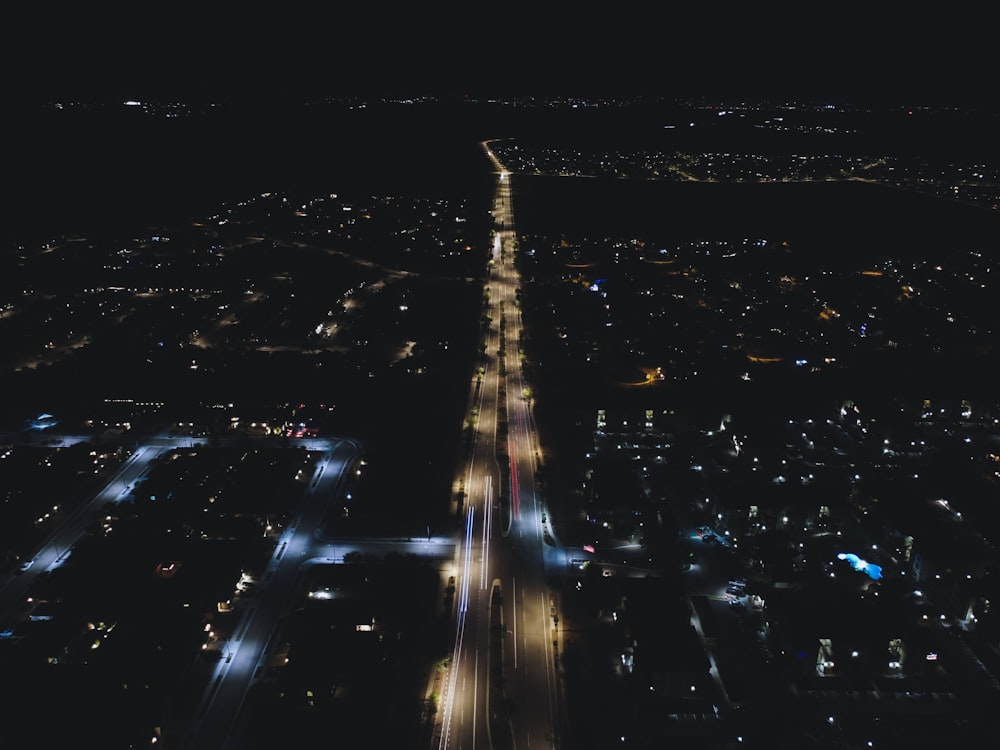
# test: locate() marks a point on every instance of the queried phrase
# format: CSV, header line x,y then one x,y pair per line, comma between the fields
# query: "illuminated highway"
x,y
502,689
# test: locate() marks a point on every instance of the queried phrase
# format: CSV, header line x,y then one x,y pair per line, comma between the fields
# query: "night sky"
x,y
871,52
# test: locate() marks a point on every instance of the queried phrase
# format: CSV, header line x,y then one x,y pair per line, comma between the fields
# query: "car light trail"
x,y
515,506
533,679
487,523
467,563
456,657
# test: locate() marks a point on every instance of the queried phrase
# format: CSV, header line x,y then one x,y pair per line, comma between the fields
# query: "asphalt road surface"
x,y
502,689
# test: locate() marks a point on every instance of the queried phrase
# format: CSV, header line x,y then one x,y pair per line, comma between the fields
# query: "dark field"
x,y
115,168
850,218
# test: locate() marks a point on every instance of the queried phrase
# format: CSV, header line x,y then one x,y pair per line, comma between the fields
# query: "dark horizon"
x,y
724,52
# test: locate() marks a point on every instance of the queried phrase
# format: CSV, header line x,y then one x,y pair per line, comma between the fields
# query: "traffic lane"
x,y
467,693
529,660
